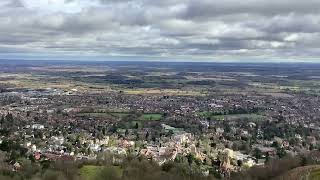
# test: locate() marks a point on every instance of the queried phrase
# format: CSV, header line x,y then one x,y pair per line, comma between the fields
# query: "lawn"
x,y
91,172
95,115
120,114
208,114
150,117
251,116
242,116
143,117
104,114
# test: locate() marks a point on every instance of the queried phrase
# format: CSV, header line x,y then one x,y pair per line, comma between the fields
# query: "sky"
x,y
191,30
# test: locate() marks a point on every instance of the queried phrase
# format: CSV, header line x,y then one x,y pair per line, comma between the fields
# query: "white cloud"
x,y
173,28
292,37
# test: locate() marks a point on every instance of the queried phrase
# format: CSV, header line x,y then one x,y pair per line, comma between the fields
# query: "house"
x,y
249,162
33,148
182,138
267,150
57,140
16,166
219,131
205,124
37,156
126,144
37,126
95,147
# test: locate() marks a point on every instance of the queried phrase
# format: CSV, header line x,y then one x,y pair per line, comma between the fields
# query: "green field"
x,y
212,116
120,114
91,172
143,117
104,114
150,117
95,115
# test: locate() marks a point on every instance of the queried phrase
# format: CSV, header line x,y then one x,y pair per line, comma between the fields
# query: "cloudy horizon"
x,y
192,30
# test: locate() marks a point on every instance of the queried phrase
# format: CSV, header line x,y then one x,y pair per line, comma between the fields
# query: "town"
x,y
222,132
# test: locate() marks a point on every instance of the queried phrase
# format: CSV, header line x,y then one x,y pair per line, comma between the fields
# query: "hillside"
x,y
302,173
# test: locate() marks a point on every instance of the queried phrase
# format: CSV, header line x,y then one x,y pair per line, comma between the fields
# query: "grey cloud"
x,y
188,28
15,3
209,8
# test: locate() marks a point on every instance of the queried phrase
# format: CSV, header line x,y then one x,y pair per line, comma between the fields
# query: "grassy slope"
x,y
302,173
91,172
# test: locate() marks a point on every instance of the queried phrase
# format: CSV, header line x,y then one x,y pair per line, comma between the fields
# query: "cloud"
x,y
192,29
51,6
207,8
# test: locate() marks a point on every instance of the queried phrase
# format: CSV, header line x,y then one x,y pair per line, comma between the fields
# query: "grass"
x,y
151,117
91,172
208,114
219,117
120,114
143,117
105,114
242,116
95,115
251,116
311,172
314,174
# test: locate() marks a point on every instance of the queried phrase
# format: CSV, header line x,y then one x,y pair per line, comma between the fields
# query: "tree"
x,y
9,117
2,120
257,153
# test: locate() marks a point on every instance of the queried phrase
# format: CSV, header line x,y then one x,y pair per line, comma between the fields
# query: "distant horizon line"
x,y
170,60
266,61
